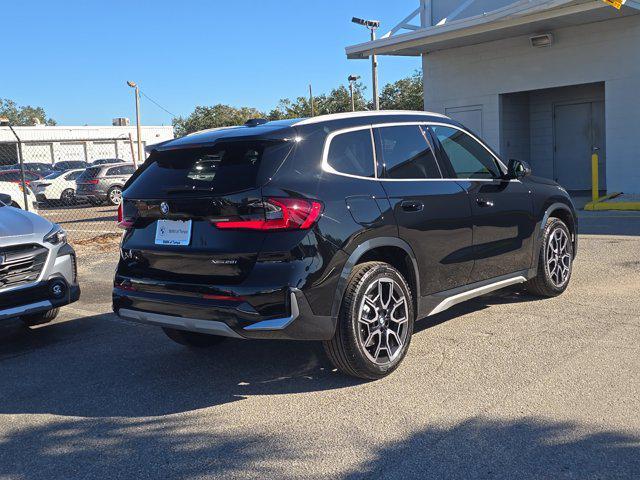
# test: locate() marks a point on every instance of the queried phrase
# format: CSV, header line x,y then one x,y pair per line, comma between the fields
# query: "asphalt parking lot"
x,y
505,386
83,220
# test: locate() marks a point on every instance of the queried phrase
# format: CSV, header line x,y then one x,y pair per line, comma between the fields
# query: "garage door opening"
x,y
556,130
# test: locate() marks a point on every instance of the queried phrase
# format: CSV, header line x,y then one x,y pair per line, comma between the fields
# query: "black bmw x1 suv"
x,y
343,228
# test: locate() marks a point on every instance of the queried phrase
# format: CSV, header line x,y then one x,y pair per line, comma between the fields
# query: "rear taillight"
x,y
91,182
123,222
280,214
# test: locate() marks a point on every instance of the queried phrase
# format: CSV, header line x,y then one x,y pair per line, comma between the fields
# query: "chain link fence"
x,y
75,183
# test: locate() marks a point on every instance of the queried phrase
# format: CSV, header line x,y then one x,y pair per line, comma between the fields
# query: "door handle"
x,y
412,206
484,203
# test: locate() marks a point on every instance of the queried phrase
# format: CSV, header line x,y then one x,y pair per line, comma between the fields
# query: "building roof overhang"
x,y
522,17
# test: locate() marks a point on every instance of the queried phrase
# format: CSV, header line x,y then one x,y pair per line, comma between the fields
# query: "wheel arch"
x,y
564,213
392,250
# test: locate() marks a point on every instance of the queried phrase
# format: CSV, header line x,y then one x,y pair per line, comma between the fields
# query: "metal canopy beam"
x,y
423,12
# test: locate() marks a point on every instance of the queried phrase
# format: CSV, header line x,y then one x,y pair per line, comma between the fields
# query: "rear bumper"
x,y
91,196
96,192
224,318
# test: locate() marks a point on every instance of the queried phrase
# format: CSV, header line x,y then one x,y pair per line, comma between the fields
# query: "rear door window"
x,y
351,153
406,153
224,168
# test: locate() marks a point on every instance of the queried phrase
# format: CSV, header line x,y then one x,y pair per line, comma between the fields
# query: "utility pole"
x,y
352,81
313,109
372,25
134,85
25,195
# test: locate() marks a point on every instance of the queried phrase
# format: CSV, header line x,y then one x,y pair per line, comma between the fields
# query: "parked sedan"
x,y
41,168
15,176
67,165
57,186
104,183
38,271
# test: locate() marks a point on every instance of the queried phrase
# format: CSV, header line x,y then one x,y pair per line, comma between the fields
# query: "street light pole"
x,y
372,25
352,81
139,131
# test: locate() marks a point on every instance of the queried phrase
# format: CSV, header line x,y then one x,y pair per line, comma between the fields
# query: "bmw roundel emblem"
x,y
164,208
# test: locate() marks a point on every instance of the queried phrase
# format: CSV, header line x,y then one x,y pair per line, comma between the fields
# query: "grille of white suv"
x,y
21,265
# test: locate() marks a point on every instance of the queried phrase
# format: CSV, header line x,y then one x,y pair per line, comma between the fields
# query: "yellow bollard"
x,y
595,191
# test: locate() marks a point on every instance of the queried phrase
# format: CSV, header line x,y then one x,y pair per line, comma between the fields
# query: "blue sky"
x,y
73,57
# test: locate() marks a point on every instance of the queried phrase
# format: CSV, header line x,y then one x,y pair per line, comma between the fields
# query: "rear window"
x,y
224,168
54,175
91,172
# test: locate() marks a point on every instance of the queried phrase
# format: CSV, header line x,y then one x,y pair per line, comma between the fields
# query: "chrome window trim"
x,y
327,144
326,167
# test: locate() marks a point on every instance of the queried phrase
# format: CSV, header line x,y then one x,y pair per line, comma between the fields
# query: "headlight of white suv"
x,y
56,236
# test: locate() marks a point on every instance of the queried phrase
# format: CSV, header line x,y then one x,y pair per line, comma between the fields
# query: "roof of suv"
x,y
280,128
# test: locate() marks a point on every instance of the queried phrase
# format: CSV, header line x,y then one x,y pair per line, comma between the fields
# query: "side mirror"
x,y
5,199
518,168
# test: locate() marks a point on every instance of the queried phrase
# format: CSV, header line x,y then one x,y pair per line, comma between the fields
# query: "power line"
x,y
157,104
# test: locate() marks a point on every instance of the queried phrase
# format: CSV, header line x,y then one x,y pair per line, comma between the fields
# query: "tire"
x,y
114,196
555,261
356,349
192,339
68,196
40,318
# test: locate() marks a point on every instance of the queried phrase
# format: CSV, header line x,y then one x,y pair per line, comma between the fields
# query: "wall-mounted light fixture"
x,y
542,40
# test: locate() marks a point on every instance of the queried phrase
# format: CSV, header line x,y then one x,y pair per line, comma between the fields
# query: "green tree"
x,y
23,115
216,116
405,94
336,101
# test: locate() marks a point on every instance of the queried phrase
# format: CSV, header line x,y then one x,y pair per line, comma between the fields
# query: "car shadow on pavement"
x,y
524,448
103,367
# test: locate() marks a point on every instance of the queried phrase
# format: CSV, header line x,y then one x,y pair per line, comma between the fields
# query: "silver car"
x,y
38,271
104,183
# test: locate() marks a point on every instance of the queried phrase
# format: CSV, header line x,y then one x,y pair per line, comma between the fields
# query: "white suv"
x,y
38,270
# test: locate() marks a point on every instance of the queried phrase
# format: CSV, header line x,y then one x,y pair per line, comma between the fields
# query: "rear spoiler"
x,y
149,149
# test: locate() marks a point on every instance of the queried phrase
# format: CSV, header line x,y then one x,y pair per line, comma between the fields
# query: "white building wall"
x,y
607,52
53,144
515,141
